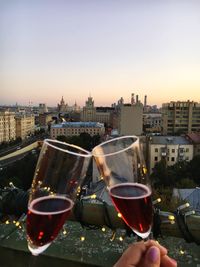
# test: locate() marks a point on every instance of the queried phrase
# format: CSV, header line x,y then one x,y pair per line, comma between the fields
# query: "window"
x,y
172,159
156,149
187,150
156,158
173,150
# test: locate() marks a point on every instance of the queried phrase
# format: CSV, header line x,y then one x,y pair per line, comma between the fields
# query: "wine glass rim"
x,y
87,155
135,143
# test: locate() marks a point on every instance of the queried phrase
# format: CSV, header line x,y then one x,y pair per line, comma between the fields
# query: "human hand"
x,y
146,254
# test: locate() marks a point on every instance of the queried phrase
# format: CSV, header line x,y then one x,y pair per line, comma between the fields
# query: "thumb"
x,y
152,257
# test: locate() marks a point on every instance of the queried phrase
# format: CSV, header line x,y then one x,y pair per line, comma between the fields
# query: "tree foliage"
x,y
182,174
20,173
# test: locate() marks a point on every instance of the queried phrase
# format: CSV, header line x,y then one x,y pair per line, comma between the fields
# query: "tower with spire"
x,y
62,107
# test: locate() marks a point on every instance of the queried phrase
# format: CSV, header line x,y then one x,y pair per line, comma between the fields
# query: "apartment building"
x,y
171,148
152,122
76,128
180,117
130,119
7,126
44,119
25,125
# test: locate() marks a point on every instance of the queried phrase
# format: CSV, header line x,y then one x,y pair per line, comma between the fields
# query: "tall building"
x,y
145,100
25,125
62,107
131,119
91,113
7,126
180,117
65,108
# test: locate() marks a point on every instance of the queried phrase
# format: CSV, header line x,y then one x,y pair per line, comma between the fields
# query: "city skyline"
x,y
106,49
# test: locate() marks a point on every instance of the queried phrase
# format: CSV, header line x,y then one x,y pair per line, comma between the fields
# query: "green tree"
x,y
194,169
161,175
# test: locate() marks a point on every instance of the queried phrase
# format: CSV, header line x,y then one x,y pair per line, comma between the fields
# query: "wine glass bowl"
x,y
121,163
59,174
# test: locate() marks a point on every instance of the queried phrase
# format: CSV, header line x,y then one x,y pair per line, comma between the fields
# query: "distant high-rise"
x,y
145,100
180,117
132,99
62,107
91,113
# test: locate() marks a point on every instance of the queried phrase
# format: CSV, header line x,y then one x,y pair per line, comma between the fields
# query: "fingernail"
x,y
153,254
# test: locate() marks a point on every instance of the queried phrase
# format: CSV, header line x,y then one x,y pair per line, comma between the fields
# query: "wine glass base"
x,y
144,236
37,250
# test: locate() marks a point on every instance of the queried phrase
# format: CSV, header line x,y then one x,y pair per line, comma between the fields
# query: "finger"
x,y
151,243
166,261
132,256
152,257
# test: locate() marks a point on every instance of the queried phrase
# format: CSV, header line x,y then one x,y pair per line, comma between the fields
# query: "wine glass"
x,y
121,163
58,177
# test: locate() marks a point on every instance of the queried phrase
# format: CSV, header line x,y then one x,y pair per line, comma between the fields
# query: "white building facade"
x,y
171,148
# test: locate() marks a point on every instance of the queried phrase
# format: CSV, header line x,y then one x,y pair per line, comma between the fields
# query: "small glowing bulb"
x,y
119,215
159,200
93,196
14,222
171,217
182,252
120,238
144,170
103,229
82,238
17,223
64,232
7,222
20,227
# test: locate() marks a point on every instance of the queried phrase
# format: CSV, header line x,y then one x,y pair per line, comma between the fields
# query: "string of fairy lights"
x,y
167,218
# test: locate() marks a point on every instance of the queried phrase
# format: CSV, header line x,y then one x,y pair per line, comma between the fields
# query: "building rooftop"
x,y
190,195
170,140
78,124
194,137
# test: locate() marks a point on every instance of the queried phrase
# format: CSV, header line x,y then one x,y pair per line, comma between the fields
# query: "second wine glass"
x,y
57,181
121,163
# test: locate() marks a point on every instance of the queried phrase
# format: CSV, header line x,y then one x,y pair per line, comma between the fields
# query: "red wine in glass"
x,y
133,201
45,217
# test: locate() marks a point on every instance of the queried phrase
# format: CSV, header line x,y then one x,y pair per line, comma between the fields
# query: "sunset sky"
x,y
106,48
